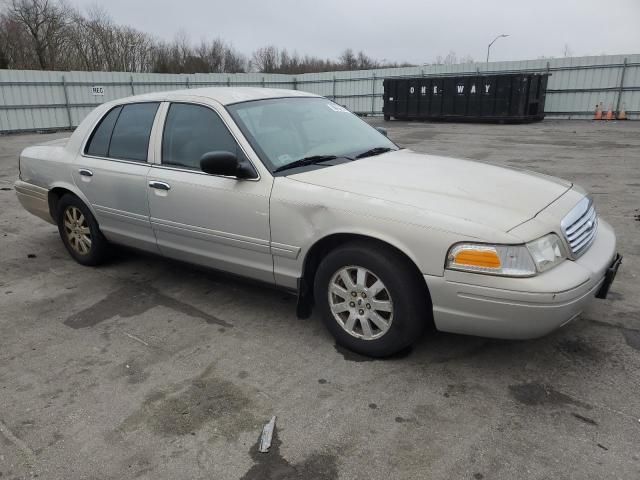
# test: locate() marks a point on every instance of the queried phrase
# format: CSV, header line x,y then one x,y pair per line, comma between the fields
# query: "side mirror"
x,y
224,163
382,131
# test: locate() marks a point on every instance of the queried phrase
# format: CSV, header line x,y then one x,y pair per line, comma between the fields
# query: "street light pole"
x,y
494,41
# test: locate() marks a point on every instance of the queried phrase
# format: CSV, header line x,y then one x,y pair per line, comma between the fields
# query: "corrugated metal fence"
x,y
37,100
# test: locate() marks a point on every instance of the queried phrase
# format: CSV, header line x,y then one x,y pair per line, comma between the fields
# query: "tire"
x,y
79,232
402,292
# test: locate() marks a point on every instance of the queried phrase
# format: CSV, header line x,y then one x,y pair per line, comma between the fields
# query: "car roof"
x,y
223,95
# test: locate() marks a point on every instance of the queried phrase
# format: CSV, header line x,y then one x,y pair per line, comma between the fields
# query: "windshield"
x,y
287,130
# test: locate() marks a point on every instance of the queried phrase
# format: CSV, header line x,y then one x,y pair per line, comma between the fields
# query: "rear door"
x,y
111,171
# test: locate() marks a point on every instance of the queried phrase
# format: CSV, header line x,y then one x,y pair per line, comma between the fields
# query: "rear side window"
x,y
99,143
130,137
191,131
124,133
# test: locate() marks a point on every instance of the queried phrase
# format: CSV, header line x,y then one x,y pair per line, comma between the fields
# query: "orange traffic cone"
x,y
598,114
622,115
609,113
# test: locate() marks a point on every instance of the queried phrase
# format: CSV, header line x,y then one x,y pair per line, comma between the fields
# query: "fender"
x,y
314,254
71,187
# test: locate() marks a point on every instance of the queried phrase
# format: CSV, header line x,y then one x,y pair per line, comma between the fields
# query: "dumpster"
x,y
514,98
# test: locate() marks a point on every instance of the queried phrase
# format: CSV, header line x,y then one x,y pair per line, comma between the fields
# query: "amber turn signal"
x,y
474,257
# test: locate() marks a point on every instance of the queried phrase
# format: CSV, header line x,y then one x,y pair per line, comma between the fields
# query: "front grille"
x,y
580,226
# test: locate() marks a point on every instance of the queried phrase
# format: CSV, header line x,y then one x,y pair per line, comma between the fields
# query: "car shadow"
x,y
434,348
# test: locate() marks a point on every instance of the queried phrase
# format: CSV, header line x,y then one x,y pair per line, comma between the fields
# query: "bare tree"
x,y
266,59
285,61
46,23
16,44
451,58
365,62
212,55
4,62
566,51
99,34
348,60
234,62
49,34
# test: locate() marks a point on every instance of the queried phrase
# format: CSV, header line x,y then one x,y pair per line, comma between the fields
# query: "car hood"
x,y
497,197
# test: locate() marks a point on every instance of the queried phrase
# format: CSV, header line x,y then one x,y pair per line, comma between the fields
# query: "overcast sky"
x,y
396,30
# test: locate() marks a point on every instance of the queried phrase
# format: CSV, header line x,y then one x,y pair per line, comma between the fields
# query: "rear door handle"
x,y
85,173
159,185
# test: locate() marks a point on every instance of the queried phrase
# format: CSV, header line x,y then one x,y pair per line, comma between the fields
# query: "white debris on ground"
x,y
267,435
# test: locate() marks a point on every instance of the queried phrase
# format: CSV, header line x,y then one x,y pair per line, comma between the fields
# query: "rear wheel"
x,y
80,232
370,299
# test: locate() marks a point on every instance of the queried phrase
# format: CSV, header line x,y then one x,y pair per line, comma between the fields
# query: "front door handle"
x,y
85,173
159,185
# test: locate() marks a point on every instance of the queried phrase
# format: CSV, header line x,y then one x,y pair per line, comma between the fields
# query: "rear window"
x,y
99,143
124,133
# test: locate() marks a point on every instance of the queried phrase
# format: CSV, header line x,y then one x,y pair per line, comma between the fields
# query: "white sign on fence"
x,y
98,91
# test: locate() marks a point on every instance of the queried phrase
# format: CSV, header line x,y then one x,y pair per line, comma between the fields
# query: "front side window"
x,y
191,131
284,130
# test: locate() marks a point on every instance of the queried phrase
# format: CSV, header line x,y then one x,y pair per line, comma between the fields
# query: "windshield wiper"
x,y
374,151
312,160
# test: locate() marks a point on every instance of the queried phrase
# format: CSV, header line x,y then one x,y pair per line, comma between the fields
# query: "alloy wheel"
x,y
360,302
77,230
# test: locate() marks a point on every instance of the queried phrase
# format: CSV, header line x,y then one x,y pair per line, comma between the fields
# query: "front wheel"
x,y
80,232
371,299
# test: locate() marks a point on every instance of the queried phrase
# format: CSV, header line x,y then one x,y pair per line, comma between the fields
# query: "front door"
x,y
221,222
112,171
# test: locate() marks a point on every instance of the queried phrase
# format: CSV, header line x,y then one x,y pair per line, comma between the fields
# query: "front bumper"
x,y
520,308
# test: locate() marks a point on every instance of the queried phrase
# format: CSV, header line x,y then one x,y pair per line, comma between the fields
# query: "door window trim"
x,y
97,123
157,163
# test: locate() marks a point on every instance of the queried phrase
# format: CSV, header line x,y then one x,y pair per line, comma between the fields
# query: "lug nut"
x,y
368,306
364,295
353,294
361,312
352,304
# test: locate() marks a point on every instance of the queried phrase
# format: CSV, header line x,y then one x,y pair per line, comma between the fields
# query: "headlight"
x,y
547,251
507,260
